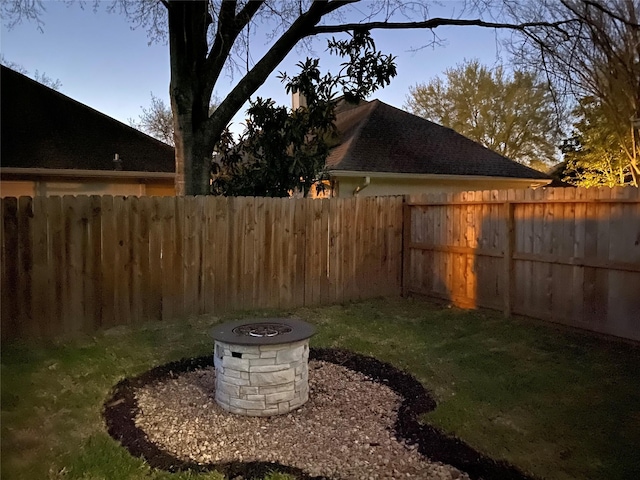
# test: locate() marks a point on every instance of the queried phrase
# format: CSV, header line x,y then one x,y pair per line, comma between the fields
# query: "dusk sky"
x,y
106,65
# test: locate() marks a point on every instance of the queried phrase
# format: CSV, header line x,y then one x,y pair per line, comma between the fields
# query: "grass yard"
x,y
558,404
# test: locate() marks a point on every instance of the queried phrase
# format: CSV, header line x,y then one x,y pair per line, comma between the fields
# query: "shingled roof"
x,y
376,137
44,129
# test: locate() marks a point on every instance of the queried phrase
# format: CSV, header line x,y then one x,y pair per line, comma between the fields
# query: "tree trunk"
x,y
188,23
192,81
193,159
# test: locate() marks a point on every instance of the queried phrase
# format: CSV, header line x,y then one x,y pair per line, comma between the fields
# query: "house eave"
x,y
432,176
25,173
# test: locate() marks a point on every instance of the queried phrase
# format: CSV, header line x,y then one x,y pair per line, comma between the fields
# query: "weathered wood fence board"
x,y
567,255
77,264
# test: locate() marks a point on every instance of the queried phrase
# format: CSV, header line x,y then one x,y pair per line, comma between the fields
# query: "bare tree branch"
x,y
434,23
229,27
605,10
259,73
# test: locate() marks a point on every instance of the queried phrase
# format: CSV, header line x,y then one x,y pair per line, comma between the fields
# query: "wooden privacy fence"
x,y
567,255
76,264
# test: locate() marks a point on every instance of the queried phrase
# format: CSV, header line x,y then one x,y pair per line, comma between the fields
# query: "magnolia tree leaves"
x,y
283,151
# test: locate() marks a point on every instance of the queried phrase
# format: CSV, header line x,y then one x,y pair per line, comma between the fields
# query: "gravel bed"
x,y
362,421
345,430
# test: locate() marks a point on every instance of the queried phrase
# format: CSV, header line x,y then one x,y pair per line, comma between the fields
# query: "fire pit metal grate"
x,y
262,329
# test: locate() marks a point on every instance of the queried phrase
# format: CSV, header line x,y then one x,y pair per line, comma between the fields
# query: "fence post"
x,y
507,273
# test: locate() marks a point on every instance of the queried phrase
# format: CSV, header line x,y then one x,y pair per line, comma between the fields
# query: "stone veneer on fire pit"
x,y
262,365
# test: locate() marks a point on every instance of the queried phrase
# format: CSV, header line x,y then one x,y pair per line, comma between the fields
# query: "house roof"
x,y
376,137
44,129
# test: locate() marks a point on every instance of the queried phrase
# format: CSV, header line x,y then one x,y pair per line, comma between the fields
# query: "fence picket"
x,y
25,258
154,284
190,259
335,250
42,275
137,250
249,269
167,218
145,222
208,257
564,279
325,249
269,279
221,251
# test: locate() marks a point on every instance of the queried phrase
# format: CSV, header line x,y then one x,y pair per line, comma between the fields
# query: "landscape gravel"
x,y
344,431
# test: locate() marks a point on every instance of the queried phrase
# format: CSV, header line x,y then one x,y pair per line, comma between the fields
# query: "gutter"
x,y
365,184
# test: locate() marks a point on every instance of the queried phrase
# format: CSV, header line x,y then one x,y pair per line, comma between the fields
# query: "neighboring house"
x,y
54,145
383,150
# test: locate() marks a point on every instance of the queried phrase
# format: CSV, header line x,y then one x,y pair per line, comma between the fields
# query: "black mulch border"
x,y
120,410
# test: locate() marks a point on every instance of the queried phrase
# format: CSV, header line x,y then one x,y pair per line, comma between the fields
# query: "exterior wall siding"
x,y
408,186
48,188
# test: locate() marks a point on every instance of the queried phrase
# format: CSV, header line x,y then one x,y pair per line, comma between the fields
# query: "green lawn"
x,y
557,404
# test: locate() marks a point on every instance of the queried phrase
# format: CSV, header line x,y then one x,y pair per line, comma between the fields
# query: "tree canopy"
x,y
156,120
509,114
593,153
593,65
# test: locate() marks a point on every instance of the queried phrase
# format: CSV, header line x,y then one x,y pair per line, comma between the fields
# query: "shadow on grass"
x,y
121,409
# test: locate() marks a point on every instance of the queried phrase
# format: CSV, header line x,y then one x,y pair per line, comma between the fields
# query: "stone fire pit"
x,y
262,365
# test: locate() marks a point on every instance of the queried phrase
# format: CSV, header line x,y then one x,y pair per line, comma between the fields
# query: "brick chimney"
x,y
298,100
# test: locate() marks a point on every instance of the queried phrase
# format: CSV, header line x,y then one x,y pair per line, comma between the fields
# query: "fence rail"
x,y
567,255
77,264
